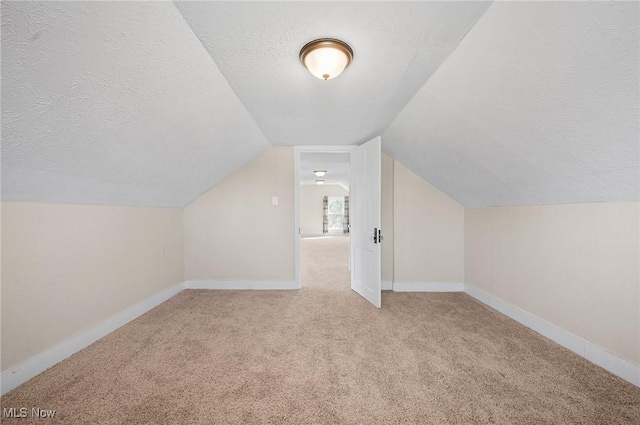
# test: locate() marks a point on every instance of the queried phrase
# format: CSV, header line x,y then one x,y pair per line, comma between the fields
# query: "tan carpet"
x,y
326,356
324,263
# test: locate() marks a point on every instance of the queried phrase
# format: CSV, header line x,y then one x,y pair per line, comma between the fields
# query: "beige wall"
x,y
311,206
428,231
386,217
576,266
67,268
573,265
232,232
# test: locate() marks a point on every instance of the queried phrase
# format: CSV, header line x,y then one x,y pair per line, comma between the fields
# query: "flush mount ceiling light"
x,y
319,181
326,58
320,173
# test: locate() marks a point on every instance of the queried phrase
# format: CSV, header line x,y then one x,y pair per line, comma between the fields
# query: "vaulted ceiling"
x,y
152,103
397,47
538,105
114,103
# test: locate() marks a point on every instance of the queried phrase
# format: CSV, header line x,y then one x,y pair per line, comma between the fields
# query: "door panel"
x,y
365,207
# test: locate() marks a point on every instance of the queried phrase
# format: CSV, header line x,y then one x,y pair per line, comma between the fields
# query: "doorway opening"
x,y
362,223
323,218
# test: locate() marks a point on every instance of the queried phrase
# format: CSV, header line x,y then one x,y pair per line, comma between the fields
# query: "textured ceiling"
x,y
538,105
397,46
336,165
152,103
114,103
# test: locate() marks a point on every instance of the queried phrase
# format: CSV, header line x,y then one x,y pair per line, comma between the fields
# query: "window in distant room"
x,y
335,213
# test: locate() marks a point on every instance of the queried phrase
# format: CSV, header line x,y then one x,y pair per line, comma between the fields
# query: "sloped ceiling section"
x,y
538,105
114,103
149,104
397,47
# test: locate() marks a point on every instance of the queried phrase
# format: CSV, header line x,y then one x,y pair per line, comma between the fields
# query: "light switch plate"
x,y
274,200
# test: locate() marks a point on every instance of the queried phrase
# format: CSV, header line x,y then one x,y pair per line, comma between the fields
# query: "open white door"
x,y
365,221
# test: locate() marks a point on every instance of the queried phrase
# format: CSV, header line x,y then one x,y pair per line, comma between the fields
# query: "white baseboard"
x,y
624,369
387,285
240,284
427,287
17,375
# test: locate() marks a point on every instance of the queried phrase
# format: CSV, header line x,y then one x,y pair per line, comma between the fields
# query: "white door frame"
x,y
297,150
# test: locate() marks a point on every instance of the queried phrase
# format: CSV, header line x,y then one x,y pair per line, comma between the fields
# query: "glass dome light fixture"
x,y
326,58
319,181
320,173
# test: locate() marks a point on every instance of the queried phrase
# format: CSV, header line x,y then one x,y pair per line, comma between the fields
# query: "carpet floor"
x,y
323,355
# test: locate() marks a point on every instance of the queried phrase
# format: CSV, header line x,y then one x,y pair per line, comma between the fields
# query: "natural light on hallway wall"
x,y
326,58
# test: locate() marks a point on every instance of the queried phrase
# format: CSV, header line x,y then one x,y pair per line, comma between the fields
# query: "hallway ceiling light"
x,y
326,58
319,181
320,173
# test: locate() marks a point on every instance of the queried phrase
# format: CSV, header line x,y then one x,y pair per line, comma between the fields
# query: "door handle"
x,y
375,235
